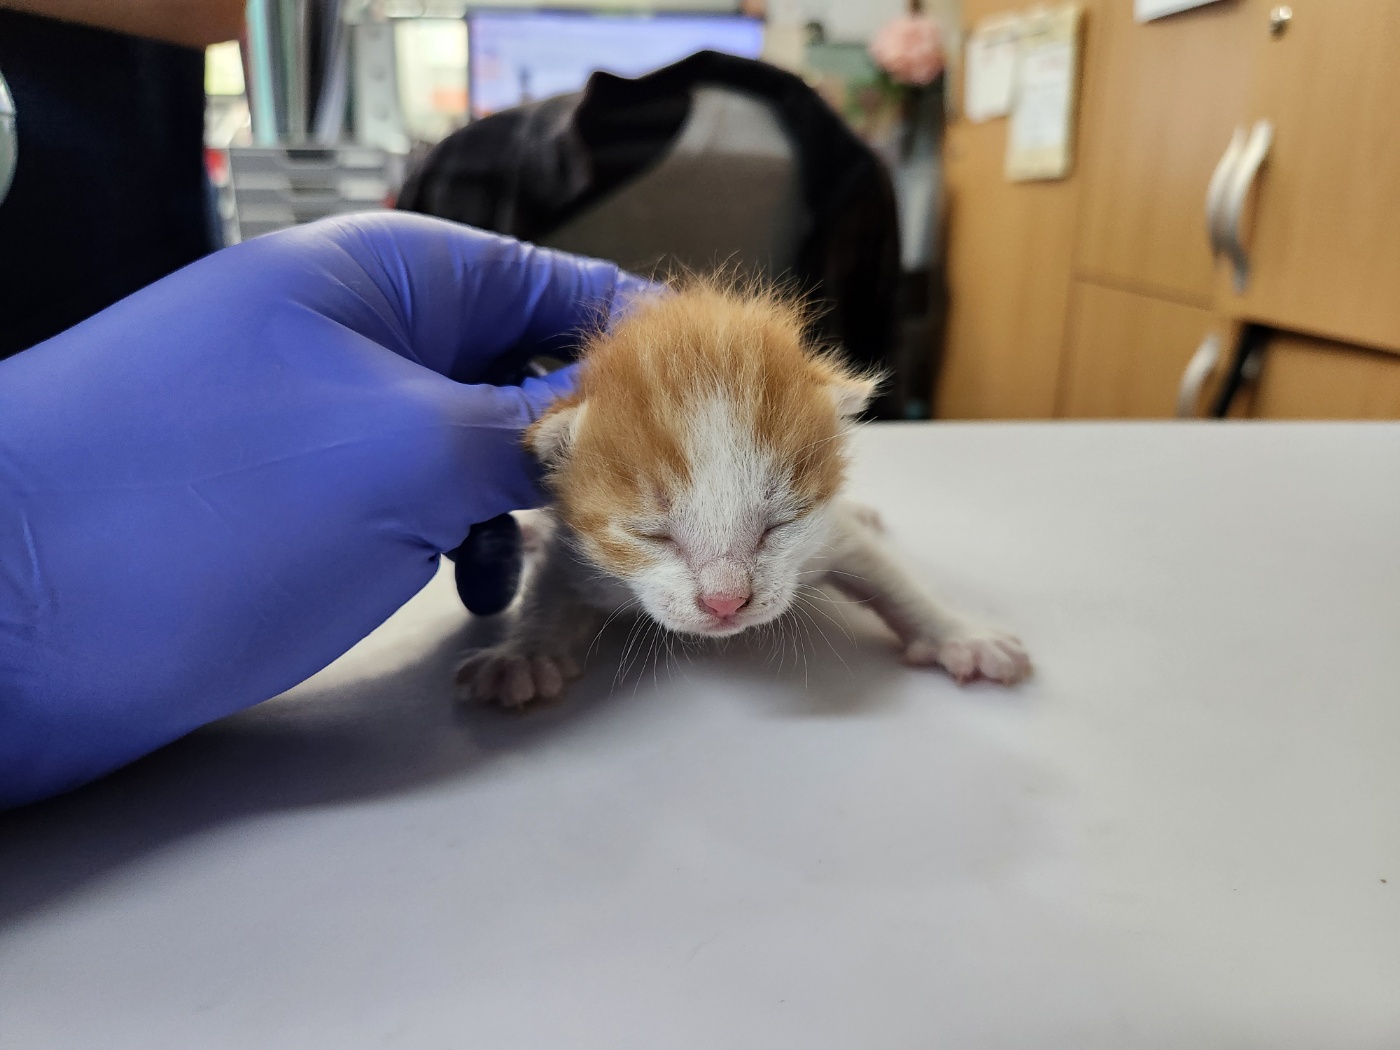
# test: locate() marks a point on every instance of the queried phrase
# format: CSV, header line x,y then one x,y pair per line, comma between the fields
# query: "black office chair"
x,y
714,160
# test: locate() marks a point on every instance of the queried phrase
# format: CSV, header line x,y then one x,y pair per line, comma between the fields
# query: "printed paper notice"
x,y
1040,139
990,82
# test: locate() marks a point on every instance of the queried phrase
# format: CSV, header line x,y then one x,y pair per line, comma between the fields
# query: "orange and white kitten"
x,y
696,474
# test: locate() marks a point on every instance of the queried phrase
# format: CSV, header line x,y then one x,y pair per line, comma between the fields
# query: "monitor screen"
x,y
519,56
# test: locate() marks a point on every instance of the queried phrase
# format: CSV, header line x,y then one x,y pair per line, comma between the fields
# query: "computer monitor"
x,y
516,56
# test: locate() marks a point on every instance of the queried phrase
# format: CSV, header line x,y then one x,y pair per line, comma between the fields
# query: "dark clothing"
x,y
110,191
529,170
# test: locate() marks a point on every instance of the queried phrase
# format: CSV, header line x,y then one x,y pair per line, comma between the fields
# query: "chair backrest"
x,y
727,192
714,160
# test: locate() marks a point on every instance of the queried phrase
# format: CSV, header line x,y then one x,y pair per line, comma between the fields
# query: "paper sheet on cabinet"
x,y
990,82
1039,142
1147,10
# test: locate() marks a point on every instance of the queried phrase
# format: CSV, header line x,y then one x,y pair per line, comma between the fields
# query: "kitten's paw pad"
x,y
514,677
992,655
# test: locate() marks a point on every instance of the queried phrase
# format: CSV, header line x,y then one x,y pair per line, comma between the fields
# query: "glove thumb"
x,y
488,562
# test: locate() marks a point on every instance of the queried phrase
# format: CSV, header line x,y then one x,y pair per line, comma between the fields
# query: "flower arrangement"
x,y
908,53
909,49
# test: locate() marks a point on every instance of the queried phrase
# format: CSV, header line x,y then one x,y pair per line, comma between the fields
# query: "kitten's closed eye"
x,y
792,519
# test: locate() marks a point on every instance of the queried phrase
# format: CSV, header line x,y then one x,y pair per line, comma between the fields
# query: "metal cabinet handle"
x,y
1219,186
1240,179
1203,362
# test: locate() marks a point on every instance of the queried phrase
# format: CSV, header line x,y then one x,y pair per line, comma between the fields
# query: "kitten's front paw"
x,y
514,676
971,654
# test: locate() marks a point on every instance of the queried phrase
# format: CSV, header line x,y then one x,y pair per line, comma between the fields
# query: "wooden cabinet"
x,y
1325,245
1126,352
1160,107
1088,297
1304,378
1163,103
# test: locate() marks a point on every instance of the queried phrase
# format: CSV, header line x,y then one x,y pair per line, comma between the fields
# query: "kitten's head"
x,y
697,459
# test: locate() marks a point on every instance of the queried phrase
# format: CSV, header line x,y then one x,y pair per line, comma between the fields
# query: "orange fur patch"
x,y
642,382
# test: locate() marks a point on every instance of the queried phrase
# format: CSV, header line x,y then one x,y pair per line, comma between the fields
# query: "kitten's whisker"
x,y
840,601
836,615
656,659
649,642
656,639
771,629
617,674
611,617
841,623
623,662
806,682
842,572
633,652
830,572
836,652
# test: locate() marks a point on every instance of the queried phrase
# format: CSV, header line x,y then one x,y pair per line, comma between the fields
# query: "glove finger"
x,y
469,303
481,468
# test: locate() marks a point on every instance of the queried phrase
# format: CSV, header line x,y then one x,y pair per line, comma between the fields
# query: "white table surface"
x,y
1184,832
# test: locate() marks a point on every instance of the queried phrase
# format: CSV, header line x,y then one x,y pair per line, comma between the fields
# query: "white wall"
x,y
849,20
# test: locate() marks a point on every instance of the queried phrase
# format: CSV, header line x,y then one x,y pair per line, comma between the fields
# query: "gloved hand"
x,y
214,488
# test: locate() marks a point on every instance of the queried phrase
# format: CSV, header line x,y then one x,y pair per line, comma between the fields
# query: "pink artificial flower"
x,y
910,49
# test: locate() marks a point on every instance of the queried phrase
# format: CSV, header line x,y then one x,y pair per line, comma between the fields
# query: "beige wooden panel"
x,y
1126,352
1009,258
1164,100
1306,378
1008,265
1326,237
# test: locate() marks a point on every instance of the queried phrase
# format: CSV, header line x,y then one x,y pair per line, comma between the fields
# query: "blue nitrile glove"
x,y
214,488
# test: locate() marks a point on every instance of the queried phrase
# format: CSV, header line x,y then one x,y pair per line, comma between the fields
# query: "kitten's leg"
x,y
864,514
862,568
546,639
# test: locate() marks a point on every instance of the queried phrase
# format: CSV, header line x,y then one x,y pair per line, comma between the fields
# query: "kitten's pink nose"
x,y
724,605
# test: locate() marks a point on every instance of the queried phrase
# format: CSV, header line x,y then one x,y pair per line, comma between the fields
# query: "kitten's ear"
x,y
553,434
852,393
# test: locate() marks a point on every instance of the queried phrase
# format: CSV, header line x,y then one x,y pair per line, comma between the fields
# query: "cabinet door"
x,y
1325,244
1164,100
1125,353
1306,378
